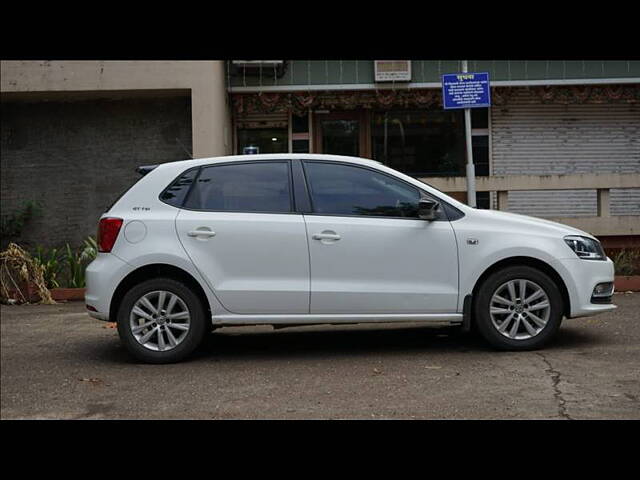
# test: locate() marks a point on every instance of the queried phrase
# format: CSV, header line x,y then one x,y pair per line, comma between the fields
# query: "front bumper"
x,y
580,277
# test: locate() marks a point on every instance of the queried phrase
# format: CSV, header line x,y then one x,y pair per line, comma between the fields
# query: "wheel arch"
x,y
152,271
529,262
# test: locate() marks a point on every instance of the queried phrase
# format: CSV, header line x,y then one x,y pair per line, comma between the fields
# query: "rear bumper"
x,y
103,276
581,277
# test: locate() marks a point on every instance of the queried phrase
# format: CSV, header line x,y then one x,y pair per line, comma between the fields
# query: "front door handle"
x,y
326,235
201,233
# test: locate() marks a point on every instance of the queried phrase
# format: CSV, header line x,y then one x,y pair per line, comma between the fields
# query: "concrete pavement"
x,y
57,362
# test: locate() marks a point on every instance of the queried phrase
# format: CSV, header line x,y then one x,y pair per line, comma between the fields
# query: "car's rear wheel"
x,y
161,321
518,308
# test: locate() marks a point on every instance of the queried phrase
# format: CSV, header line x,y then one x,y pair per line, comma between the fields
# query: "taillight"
x,y
108,230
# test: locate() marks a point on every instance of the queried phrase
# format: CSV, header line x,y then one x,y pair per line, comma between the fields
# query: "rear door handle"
x,y
201,233
326,236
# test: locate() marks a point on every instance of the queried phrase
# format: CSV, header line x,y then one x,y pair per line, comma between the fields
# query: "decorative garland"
x,y
299,103
572,94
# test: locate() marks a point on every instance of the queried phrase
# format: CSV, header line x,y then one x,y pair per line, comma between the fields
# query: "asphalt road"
x,y
57,362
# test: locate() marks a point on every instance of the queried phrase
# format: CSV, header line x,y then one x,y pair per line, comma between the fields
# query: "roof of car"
x,y
270,156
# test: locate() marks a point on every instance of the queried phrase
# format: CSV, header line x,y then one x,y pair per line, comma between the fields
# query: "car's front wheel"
x,y
161,321
518,308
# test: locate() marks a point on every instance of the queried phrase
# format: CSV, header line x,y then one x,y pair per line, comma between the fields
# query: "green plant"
x,y
50,262
77,262
11,225
75,268
627,262
90,249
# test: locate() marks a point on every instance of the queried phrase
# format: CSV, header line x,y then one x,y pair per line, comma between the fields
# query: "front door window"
x,y
347,190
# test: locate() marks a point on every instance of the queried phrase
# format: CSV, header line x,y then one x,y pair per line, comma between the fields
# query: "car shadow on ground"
x,y
342,342
336,341
360,342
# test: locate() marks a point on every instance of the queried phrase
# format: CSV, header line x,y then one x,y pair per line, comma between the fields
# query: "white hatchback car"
x,y
304,239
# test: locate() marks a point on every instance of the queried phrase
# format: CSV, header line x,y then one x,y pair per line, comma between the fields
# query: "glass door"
x,y
340,133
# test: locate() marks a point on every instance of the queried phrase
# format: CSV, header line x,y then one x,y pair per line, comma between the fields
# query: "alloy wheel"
x,y
159,320
519,309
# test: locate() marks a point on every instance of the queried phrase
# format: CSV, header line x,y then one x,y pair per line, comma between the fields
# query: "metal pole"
x,y
471,170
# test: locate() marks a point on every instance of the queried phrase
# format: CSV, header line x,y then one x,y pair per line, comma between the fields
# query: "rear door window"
x,y
243,187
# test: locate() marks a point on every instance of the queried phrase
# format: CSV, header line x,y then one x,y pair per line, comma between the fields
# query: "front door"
x,y
369,252
341,133
240,230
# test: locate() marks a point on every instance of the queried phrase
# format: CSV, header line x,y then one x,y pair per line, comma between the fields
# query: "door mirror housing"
x,y
427,209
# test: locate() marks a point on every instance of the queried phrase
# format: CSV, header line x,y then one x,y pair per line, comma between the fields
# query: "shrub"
x,y
627,262
50,260
77,262
18,271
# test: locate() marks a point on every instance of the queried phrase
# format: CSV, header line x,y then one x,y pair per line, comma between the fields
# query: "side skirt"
x,y
436,318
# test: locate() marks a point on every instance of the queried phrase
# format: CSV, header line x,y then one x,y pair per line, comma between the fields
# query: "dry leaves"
x,y
92,381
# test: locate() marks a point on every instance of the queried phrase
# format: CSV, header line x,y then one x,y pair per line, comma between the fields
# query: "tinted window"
x,y
175,193
265,140
420,143
244,187
345,190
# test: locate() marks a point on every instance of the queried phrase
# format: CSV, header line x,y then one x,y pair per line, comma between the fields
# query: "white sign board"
x,y
392,70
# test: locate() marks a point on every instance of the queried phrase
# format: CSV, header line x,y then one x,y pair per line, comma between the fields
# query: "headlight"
x,y
585,247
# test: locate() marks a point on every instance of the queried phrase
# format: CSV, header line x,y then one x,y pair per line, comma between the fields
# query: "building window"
x,y
263,140
420,143
480,145
480,117
300,133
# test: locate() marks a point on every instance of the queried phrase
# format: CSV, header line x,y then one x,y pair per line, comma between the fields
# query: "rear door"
x,y
239,228
369,251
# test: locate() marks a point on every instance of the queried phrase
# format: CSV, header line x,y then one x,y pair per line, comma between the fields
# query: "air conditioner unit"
x,y
392,70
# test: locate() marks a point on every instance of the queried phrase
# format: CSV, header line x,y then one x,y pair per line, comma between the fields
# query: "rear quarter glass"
x,y
177,190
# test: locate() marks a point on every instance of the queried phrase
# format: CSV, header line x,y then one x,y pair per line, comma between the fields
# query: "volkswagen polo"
x,y
301,239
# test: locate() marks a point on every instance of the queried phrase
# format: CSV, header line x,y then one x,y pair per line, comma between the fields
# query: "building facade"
x,y
72,132
547,117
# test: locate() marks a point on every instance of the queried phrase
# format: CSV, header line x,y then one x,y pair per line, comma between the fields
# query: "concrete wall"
x,y
73,132
211,121
76,156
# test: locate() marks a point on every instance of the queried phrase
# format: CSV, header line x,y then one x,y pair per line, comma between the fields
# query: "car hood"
x,y
525,221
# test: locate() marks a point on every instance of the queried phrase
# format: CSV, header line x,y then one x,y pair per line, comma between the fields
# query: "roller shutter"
x,y
529,137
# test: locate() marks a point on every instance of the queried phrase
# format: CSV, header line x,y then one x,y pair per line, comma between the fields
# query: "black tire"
x,y
199,323
482,317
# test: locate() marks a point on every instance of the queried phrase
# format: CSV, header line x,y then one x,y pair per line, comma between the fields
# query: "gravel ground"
x,y
57,362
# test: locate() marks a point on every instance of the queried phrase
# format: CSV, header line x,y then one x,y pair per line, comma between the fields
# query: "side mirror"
x,y
427,209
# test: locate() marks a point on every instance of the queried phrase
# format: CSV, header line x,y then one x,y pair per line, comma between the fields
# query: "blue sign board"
x,y
466,90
